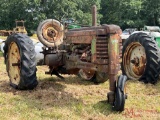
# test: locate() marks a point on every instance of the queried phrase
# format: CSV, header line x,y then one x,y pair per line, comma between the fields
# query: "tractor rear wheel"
x,y
20,61
140,58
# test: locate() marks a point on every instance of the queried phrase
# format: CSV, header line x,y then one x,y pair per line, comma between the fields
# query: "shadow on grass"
x,y
49,100
148,89
51,94
104,107
48,93
71,79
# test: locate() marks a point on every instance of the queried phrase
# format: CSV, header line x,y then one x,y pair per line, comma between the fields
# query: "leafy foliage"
x,y
131,13
125,13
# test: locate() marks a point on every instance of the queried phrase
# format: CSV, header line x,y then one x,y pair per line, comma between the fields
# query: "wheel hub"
x,y
134,60
50,33
139,65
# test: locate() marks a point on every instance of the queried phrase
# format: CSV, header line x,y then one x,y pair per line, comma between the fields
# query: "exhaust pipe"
x,y
94,15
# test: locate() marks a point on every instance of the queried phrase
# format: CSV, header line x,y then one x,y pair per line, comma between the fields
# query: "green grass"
x,y
74,99
1,54
3,37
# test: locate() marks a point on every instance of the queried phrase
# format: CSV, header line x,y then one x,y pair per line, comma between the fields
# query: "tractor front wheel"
x,y
120,94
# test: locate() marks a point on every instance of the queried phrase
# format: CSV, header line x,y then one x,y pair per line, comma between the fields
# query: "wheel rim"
x,y
86,74
50,32
14,63
134,60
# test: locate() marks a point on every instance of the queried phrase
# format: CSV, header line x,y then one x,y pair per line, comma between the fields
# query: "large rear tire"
x,y
140,58
20,61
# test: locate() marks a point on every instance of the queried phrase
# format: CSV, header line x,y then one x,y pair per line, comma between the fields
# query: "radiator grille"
x,y
102,48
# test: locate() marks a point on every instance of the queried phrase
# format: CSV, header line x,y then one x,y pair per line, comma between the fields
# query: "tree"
x,y
77,9
34,11
125,13
151,12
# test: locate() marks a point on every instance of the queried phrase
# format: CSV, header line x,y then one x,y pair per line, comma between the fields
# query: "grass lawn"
x,y
3,37
74,99
1,54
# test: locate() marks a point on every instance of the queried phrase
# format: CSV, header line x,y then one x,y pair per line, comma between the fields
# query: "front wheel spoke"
x,y
16,64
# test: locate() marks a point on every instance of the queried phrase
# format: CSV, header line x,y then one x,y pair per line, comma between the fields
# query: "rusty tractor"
x,y
93,53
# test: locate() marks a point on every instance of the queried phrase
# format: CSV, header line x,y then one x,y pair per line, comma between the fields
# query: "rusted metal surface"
x,y
74,62
79,37
113,59
97,41
86,74
14,63
102,49
134,60
86,35
53,59
50,32
120,50
94,15
99,46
